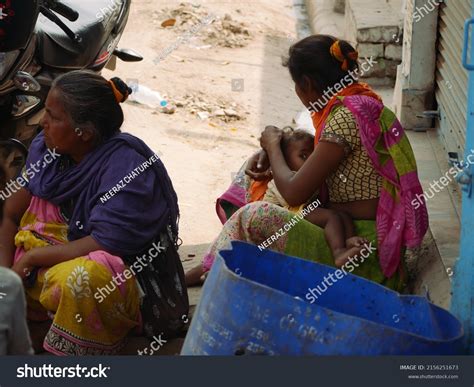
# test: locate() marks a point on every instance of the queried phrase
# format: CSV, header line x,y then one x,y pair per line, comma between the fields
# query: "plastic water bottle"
x,y
146,96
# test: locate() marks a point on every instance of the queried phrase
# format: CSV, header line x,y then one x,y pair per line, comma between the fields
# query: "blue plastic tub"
x,y
258,302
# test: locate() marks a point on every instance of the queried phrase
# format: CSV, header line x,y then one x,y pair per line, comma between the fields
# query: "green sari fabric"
x,y
259,221
305,240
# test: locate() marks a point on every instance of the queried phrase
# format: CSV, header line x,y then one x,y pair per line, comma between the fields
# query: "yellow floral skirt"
x,y
91,312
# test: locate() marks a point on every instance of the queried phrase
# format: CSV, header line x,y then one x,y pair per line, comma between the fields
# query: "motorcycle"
x,y
40,40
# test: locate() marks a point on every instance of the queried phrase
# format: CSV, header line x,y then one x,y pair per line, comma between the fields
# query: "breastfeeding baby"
x,y
339,231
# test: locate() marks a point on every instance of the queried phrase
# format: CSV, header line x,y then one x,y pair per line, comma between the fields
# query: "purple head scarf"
x,y
127,221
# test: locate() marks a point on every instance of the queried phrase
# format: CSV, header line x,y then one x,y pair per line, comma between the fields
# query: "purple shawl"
x,y
127,222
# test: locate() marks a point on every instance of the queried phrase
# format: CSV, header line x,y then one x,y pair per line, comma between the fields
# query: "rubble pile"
x,y
227,32
186,15
195,103
213,30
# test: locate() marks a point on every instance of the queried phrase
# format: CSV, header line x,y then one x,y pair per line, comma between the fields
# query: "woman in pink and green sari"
x,y
362,158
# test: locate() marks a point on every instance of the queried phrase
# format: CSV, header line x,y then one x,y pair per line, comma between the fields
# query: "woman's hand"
x,y
271,137
48,256
25,265
258,167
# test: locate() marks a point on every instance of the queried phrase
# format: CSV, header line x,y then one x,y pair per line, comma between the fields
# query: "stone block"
x,y
384,68
380,82
367,50
391,68
369,21
394,52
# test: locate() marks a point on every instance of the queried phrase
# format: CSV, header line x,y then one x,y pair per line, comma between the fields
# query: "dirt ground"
x,y
202,154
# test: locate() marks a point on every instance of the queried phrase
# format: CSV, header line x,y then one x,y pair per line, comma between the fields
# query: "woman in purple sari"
x,y
94,229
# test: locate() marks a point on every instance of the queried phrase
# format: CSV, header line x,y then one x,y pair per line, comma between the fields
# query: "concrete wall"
x,y
376,29
414,89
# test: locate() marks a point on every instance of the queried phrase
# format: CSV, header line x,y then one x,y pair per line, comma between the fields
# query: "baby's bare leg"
x,y
334,224
351,239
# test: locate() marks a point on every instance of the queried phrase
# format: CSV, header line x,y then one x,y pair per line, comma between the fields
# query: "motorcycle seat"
x,y
94,25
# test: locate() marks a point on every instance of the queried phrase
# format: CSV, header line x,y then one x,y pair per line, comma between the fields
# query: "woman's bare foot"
x,y
196,276
342,256
356,241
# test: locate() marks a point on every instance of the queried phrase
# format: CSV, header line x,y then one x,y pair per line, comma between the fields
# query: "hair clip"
x,y
337,53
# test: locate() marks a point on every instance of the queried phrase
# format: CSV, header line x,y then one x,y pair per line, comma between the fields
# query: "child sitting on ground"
x,y
339,231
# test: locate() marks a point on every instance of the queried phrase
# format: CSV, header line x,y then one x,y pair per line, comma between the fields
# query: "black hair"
x,y
90,100
311,57
293,135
